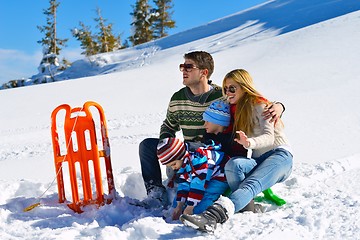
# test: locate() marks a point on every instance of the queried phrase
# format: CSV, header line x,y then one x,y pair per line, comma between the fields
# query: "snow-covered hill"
x,y
303,53
247,26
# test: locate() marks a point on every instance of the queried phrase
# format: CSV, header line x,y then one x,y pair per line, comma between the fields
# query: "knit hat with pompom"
x,y
218,112
170,149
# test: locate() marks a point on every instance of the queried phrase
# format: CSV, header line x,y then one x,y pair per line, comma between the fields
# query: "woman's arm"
x,y
264,132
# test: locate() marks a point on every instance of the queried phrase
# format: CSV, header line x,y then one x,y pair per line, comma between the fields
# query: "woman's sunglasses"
x,y
231,89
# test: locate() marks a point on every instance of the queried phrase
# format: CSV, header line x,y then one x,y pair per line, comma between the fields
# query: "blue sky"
x,y
20,54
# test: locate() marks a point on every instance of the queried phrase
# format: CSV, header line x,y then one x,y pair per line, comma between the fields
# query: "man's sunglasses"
x,y
231,89
187,67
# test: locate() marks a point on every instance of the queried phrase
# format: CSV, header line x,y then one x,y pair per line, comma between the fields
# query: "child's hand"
x,y
176,214
189,210
243,139
177,211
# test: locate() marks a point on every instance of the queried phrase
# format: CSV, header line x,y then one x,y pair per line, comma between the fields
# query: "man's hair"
x,y
203,60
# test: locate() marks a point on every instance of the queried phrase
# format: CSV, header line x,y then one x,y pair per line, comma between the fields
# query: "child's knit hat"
x,y
170,149
218,112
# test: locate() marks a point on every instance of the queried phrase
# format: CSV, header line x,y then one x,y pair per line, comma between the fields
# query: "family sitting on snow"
x,y
213,156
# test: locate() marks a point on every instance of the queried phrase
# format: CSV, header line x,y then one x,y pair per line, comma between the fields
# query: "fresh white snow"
x,y
310,64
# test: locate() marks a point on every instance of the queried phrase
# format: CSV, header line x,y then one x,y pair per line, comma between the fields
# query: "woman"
x,y
271,153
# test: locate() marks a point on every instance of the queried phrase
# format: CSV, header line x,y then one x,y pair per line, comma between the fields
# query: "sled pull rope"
x,y
31,207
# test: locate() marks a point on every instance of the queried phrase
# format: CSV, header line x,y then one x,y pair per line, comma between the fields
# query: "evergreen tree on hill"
x,y
163,19
106,39
49,64
50,40
103,41
143,18
87,39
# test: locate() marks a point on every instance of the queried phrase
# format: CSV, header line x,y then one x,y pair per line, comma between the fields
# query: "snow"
x,y
309,64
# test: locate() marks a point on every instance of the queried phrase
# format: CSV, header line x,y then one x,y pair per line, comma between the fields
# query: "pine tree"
x,y
142,22
163,19
50,41
106,39
49,64
88,41
103,41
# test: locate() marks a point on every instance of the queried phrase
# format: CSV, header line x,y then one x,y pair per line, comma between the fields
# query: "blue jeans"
x,y
272,167
236,169
150,166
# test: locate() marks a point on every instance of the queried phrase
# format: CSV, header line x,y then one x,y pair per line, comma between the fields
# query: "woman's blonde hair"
x,y
243,119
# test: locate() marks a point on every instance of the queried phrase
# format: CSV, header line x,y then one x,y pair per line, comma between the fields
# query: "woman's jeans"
x,y
270,168
236,170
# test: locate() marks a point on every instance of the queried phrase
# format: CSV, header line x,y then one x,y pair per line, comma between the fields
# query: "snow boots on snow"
x,y
207,220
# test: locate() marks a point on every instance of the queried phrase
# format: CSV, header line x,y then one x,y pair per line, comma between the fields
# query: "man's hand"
x,y
273,111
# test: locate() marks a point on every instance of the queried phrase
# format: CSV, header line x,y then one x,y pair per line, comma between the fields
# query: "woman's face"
x,y
233,91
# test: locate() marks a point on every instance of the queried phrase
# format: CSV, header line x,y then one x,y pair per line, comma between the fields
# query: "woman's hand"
x,y
243,139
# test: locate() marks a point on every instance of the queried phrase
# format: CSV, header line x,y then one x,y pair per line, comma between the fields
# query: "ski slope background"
x,y
302,53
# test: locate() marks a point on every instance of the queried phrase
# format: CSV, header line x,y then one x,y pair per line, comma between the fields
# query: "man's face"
x,y
191,76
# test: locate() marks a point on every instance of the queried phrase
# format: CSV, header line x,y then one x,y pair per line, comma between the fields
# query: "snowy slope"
x,y
307,63
251,25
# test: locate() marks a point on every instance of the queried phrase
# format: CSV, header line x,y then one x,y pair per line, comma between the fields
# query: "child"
x,y
200,173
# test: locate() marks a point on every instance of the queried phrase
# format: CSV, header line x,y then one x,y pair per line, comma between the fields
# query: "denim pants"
x,y
236,169
150,166
272,167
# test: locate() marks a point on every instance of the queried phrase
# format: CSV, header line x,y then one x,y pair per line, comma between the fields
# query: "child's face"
x,y
213,128
175,165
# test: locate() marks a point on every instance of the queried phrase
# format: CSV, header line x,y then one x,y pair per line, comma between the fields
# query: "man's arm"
x,y
170,125
166,131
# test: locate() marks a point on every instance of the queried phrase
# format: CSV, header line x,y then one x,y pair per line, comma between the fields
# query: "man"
x,y
184,113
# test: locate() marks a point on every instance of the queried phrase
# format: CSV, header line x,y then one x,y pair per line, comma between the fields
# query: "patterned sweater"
x,y
185,112
199,168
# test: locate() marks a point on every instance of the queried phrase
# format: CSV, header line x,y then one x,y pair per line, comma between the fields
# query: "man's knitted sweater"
x,y
185,112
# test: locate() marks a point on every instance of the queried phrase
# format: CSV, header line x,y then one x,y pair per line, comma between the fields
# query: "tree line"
x,y
148,23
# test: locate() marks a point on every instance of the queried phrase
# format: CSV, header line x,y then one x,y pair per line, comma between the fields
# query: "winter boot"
x,y
258,208
253,207
157,198
249,208
219,212
207,220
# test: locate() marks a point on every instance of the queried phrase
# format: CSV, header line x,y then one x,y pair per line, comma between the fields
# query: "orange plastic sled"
x,y
82,148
